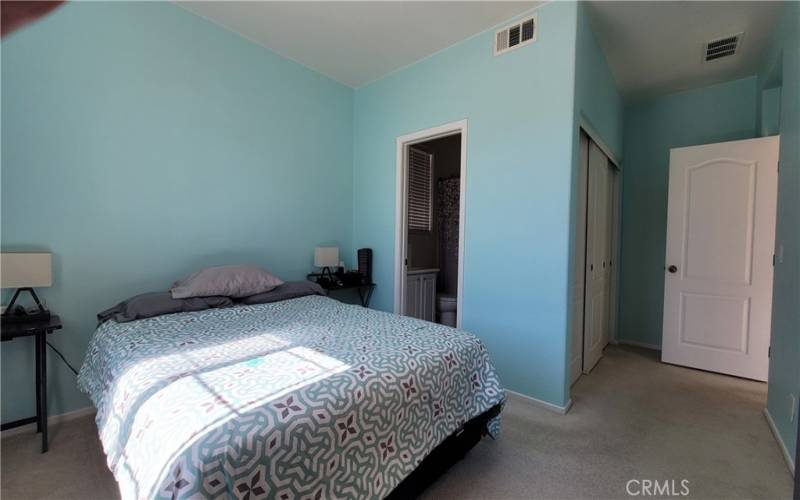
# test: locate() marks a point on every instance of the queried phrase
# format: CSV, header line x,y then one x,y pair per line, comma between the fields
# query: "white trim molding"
x,y
52,420
786,455
595,137
541,403
400,222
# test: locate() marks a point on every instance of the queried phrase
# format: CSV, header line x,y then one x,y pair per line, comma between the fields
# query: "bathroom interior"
x,y
433,248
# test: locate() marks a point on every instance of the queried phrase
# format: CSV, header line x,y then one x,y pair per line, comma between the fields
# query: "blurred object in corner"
x,y
14,15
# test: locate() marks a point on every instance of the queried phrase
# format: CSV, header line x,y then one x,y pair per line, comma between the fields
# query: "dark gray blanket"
x,y
152,304
290,290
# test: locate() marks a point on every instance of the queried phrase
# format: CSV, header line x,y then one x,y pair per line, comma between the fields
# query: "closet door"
x,y
613,250
579,264
598,231
608,251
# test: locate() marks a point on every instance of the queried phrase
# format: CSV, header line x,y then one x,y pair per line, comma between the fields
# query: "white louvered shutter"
x,y
420,190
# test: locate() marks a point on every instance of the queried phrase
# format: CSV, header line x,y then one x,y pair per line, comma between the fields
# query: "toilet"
x,y
446,309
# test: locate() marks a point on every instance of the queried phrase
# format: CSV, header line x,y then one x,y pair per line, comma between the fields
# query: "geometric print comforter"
x,y
303,398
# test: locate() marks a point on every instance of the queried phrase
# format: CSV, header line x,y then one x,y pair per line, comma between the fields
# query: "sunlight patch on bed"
x,y
150,374
202,389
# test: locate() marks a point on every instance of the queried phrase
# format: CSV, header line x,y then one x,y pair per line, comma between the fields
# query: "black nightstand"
x,y
39,330
364,289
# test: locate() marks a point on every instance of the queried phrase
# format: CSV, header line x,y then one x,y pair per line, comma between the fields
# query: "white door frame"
x,y
401,203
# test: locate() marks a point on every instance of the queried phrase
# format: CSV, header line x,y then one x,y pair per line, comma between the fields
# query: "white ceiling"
x,y
657,47
357,42
652,47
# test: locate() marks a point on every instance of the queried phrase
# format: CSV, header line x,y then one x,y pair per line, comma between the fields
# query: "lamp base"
x,y
13,315
326,270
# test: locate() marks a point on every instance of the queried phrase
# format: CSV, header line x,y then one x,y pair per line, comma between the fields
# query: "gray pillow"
x,y
230,281
290,290
148,305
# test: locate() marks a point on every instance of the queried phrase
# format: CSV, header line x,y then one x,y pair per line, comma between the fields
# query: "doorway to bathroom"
x,y
431,167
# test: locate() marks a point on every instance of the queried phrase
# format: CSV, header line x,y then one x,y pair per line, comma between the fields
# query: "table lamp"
x,y
326,258
25,271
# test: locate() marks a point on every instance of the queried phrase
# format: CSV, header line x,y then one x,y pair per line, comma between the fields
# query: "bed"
x,y
301,398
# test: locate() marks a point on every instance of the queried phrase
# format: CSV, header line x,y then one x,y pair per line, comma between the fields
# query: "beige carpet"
x,y
633,418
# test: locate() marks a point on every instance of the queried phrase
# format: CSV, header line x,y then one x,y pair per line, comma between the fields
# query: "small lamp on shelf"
x,y
326,258
26,271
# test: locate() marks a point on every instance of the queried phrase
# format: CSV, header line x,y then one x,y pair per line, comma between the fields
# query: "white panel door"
x,y
595,336
720,242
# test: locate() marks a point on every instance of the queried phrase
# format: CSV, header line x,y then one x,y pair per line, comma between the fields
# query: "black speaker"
x,y
365,264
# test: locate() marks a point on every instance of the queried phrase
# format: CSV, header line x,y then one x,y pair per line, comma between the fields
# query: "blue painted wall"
x,y
597,99
784,368
519,167
141,142
770,112
718,113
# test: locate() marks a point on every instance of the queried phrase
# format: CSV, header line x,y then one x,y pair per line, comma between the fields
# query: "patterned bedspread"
x,y
304,398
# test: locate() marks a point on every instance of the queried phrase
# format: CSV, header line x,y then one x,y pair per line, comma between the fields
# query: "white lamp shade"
x,y
326,256
26,270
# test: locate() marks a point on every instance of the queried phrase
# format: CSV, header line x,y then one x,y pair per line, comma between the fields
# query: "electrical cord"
x,y
62,358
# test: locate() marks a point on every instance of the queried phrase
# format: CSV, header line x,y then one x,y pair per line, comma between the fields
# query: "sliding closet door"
x,y
608,252
615,176
598,251
579,264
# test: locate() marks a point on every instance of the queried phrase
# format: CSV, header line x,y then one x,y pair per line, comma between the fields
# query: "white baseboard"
x,y
786,455
639,344
54,419
543,404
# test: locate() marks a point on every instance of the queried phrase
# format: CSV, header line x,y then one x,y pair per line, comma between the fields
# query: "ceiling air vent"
x,y
722,47
515,36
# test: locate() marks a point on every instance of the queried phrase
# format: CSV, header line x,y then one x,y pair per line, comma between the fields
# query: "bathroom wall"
x,y
422,249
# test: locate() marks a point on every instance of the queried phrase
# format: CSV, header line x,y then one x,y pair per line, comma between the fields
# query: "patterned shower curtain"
x,y
448,191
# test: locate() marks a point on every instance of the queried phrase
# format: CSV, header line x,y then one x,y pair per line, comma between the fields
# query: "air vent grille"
x,y
722,47
515,35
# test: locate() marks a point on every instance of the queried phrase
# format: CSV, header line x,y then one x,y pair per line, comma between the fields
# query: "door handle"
x,y
672,269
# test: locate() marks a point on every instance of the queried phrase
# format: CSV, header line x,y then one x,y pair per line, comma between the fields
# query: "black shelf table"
x,y
364,289
38,329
